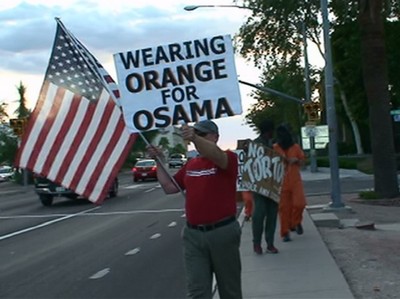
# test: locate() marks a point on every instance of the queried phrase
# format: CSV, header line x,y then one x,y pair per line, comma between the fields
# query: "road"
x,y
347,185
128,247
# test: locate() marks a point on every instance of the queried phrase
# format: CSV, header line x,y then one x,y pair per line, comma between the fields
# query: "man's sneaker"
x,y
271,249
286,238
299,229
257,248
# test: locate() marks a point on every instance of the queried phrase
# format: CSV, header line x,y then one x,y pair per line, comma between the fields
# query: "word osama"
x,y
176,83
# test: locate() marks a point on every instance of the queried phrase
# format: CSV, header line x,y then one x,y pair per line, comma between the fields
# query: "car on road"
x,y
6,173
47,190
177,160
144,169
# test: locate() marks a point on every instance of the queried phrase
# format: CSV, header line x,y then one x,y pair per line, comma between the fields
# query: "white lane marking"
x,y
132,187
133,251
28,229
155,236
100,274
94,214
152,189
172,224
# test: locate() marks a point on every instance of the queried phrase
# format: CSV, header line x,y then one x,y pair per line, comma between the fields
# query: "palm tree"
x,y
3,113
22,111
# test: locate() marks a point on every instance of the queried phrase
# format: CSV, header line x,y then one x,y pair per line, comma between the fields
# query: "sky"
x,y
109,27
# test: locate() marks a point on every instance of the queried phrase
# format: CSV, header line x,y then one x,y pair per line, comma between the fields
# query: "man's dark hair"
x,y
284,136
266,126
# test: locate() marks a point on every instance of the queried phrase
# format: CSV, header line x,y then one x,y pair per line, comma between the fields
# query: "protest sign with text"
x,y
178,83
263,171
241,154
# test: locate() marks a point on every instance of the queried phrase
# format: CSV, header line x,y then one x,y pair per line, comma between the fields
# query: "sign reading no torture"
x,y
262,171
178,83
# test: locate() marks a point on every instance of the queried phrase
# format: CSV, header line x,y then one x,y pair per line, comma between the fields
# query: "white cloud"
x,y
107,27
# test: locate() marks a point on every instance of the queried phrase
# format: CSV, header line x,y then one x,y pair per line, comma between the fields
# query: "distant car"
x,y
144,169
47,190
177,160
6,173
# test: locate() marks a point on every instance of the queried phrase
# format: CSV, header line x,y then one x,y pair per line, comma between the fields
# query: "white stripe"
x,y
68,139
133,251
97,155
100,274
155,236
37,126
44,224
86,141
49,142
116,153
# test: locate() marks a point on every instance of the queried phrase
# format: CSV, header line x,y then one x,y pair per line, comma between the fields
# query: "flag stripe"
x,y
76,135
53,125
70,142
66,126
94,147
105,149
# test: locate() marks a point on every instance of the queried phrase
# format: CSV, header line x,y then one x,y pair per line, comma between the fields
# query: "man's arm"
x,y
164,178
206,147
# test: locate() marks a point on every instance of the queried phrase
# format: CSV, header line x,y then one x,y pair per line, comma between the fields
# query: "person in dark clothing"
x,y
265,209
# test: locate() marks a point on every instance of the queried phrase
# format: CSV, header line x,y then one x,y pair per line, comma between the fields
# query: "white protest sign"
x,y
241,155
178,83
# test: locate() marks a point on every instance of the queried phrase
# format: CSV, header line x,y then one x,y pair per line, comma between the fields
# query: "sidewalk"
x,y
303,268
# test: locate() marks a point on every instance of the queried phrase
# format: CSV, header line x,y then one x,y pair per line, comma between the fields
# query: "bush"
x,y
368,195
361,163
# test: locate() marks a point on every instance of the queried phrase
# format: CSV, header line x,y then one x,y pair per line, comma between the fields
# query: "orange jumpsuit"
x,y
248,203
292,199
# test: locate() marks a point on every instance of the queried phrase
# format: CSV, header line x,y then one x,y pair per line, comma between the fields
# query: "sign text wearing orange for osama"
x,y
263,171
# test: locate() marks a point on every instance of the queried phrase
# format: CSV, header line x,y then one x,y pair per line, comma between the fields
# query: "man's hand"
x,y
155,152
188,133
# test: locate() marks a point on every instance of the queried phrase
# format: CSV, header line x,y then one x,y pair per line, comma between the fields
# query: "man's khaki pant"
x,y
215,251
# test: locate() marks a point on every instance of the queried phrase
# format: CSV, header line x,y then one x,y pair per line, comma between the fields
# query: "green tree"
x,y
164,143
3,113
179,148
22,111
284,77
269,38
8,145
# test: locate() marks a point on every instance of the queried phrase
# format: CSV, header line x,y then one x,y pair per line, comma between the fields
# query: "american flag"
x,y
76,135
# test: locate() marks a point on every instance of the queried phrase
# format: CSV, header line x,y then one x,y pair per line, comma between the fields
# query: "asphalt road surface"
x,y
130,247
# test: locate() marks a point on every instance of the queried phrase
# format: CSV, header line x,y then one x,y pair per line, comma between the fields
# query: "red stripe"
x,y
93,144
65,127
55,108
76,142
116,93
108,79
117,167
32,119
116,136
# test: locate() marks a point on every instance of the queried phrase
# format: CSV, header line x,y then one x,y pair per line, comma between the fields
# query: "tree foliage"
x,y
270,37
22,111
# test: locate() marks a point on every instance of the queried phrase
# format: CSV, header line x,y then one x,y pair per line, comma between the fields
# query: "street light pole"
x,y
313,153
331,111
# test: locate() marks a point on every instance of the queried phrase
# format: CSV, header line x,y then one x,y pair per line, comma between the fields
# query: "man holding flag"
x,y
211,236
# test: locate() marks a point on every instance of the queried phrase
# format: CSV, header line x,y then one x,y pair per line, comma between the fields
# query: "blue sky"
x,y
108,27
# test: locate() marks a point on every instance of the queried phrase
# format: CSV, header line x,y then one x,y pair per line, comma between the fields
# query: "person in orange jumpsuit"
x,y
292,199
247,197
